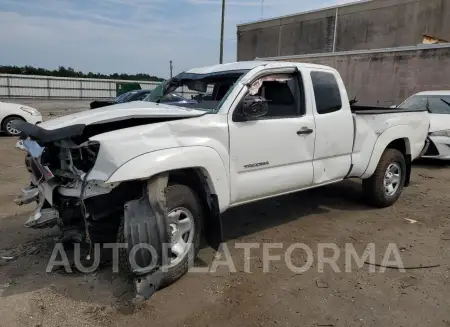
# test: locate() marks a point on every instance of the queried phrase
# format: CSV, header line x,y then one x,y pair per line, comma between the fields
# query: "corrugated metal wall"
x,y
28,86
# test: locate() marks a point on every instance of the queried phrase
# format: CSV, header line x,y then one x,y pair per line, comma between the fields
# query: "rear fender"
x,y
154,163
387,137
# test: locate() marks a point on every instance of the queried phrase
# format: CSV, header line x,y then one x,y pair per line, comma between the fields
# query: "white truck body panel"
x,y
375,132
334,137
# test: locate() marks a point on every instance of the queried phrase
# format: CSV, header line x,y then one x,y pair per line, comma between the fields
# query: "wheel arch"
x,y
198,160
403,145
199,181
9,116
396,137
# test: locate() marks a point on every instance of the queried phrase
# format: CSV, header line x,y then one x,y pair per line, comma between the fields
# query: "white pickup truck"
x,y
160,174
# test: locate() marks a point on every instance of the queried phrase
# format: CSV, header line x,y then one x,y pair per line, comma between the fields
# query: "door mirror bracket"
x,y
253,107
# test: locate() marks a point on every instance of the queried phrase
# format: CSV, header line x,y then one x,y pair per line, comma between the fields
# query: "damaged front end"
x,y
92,211
57,170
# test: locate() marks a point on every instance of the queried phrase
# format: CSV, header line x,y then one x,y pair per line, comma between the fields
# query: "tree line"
x,y
70,72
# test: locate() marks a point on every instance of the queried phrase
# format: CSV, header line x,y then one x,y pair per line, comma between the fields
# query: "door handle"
x,y
305,131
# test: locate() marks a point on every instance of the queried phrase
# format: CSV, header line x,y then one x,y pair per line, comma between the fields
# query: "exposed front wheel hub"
x,y
181,225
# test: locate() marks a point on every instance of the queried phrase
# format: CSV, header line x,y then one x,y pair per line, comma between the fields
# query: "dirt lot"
x,y
336,214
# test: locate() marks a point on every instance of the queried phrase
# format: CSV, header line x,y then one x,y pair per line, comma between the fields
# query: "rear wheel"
x,y
8,127
386,184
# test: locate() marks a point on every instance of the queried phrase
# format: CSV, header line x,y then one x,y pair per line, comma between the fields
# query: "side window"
x,y
283,94
326,92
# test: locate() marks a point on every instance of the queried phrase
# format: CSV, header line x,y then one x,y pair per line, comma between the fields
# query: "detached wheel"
x,y
8,128
185,220
386,184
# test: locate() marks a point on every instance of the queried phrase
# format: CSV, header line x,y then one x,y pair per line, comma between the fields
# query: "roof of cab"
x,y
248,65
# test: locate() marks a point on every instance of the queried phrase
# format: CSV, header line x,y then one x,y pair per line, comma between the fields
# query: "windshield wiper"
x,y
428,106
446,102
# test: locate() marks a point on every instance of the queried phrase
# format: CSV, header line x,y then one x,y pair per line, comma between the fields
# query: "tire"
x,y
124,264
374,188
177,196
6,126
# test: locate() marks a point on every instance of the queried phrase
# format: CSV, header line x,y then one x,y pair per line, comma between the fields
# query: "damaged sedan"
x,y
157,174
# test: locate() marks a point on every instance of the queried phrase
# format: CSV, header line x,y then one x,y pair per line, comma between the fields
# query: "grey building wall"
x,y
366,25
387,77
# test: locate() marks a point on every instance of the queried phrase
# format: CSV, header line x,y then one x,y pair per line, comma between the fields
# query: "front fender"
x,y
391,134
153,163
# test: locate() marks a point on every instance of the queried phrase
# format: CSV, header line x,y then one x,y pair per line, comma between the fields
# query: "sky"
x,y
129,36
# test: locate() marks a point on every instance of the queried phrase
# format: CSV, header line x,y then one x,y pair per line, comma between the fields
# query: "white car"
x,y
10,112
161,175
438,104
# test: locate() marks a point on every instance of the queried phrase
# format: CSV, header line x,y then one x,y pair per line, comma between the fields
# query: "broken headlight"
x,y
84,156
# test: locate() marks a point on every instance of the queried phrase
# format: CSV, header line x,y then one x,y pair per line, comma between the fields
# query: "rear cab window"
x,y
326,92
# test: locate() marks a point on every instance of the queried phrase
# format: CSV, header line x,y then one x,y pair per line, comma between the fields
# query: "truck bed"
x,y
371,124
366,110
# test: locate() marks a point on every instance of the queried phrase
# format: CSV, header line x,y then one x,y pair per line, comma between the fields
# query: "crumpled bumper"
x,y
42,217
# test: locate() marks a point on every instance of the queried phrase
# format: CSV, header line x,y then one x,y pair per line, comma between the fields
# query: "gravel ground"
x,y
335,214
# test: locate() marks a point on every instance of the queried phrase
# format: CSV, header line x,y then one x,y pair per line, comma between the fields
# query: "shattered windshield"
x,y
198,91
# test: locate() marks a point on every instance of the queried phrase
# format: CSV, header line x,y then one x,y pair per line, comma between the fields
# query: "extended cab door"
x,y
272,154
334,127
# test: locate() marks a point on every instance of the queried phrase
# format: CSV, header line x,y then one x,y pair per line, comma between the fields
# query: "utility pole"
x,y
262,9
222,27
171,69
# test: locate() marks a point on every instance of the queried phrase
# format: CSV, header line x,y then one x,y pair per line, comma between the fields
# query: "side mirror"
x,y
254,107
393,107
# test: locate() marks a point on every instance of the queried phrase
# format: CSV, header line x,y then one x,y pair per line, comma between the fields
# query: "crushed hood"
x,y
439,122
122,111
81,126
